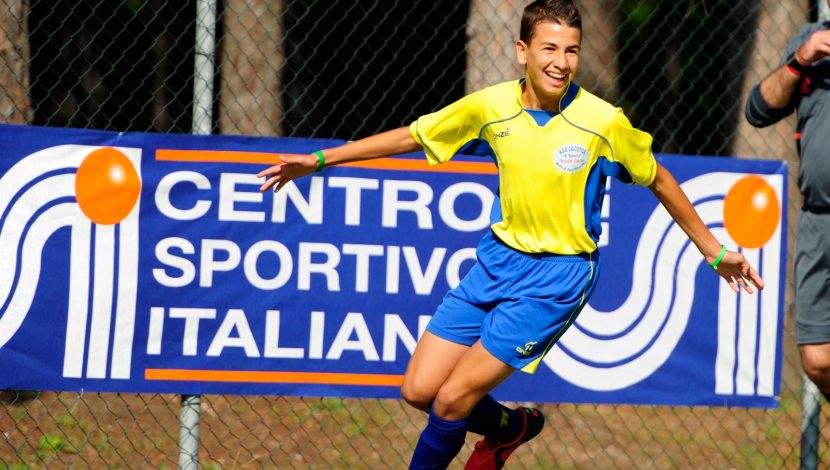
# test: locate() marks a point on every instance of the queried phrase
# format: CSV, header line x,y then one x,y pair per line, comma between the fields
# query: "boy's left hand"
x,y
737,272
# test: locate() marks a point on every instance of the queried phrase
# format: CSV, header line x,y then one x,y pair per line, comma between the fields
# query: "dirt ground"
x,y
52,430
107,430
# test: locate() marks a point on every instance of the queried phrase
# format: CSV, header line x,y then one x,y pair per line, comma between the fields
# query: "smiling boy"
x,y
555,144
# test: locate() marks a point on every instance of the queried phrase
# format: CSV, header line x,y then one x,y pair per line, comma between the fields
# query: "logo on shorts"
x,y
525,351
571,158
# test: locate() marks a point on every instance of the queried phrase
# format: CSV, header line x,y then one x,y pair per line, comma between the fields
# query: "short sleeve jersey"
x,y
551,177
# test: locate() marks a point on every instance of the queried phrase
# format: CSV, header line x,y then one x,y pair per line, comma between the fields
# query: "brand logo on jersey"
x,y
501,134
571,158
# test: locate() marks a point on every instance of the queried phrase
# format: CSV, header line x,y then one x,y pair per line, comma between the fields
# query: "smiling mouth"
x,y
556,76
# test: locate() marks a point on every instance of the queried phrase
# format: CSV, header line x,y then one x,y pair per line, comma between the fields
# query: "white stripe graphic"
x,y
748,313
41,229
22,213
122,348
102,294
727,332
655,321
21,206
76,322
770,299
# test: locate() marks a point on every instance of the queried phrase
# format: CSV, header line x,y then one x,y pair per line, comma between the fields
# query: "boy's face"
x,y
551,59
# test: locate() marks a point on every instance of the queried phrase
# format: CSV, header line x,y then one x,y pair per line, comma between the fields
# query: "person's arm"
x,y
385,144
772,99
733,267
778,87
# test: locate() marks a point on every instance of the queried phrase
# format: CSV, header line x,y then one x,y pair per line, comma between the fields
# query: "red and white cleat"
x,y
488,455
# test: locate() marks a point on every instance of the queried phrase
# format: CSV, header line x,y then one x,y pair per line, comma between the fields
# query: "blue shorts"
x,y
518,304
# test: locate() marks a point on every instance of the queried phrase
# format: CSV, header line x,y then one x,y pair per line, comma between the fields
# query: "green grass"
x,y
55,443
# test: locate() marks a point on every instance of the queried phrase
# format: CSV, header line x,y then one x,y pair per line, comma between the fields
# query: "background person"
x,y
801,83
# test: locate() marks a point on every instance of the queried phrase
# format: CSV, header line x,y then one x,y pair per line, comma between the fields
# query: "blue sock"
x,y
496,421
440,442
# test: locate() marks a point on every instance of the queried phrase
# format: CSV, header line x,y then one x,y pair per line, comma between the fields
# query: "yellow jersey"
x,y
551,177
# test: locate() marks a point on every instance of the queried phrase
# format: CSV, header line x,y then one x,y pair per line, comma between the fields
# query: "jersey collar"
x,y
564,102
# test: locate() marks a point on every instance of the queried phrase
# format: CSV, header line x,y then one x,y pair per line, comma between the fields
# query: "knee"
x,y
452,402
416,396
818,370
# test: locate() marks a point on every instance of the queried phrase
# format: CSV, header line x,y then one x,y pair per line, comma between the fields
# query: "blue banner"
x,y
139,262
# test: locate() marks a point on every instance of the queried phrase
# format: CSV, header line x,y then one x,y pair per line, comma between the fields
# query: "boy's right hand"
x,y
292,167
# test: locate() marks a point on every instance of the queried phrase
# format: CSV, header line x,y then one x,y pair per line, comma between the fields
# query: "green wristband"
x,y
714,264
321,160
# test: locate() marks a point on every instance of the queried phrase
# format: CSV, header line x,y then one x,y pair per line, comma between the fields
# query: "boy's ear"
x,y
521,52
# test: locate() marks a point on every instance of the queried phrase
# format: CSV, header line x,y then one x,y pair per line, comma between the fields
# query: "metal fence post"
x,y
204,67
189,432
810,411
203,76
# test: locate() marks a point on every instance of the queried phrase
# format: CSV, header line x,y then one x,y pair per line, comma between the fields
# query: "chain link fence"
x,y
347,69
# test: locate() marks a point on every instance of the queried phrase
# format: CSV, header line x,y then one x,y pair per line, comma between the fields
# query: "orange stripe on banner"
x,y
266,158
195,375
223,156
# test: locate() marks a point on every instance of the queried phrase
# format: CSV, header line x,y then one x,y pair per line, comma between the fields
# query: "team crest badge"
x,y
571,158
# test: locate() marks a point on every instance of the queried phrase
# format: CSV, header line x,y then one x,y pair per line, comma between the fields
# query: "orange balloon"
x,y
751,212
107,186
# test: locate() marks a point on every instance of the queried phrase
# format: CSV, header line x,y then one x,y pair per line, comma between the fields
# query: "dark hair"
x,y
563,12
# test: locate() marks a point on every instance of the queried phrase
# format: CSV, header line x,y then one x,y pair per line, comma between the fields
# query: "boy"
x,y
554,144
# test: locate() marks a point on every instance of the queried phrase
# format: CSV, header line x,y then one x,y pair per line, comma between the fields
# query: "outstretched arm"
x,y
385,144
734,268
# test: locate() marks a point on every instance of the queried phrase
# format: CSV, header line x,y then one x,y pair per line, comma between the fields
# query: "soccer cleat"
x,y
488,455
